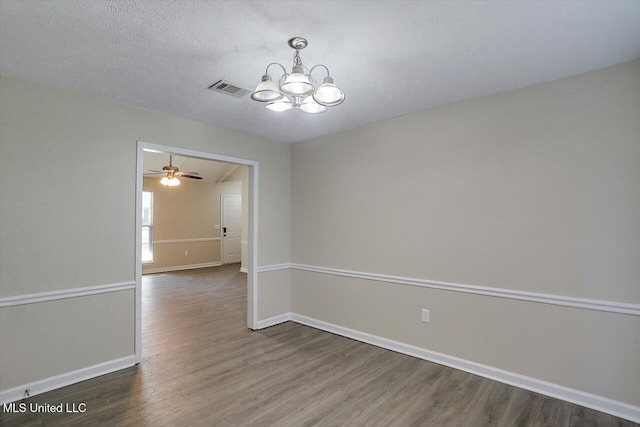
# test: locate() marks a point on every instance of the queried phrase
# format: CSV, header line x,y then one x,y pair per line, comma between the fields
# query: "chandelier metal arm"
x,y
284,70
319,65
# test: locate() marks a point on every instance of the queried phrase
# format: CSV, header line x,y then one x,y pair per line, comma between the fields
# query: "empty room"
x,y
332,213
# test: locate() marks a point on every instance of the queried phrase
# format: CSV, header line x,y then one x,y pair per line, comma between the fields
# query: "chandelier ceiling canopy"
x,y
298,89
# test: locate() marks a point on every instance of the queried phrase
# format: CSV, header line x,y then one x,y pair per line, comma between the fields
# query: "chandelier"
x,y
298,89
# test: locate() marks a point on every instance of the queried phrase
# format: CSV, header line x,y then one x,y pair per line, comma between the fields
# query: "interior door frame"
x,y
252,232
222,196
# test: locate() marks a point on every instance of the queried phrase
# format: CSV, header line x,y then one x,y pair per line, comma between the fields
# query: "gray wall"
x,y
61,230
534,190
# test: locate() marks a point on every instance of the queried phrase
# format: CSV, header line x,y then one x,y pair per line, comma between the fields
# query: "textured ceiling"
x,y
390,57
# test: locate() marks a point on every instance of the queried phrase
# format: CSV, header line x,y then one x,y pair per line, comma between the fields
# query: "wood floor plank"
x,y
553,413
521,407
202,367
585,417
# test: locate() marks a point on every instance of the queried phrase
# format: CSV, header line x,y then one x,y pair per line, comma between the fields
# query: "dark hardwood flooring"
x,y
202,367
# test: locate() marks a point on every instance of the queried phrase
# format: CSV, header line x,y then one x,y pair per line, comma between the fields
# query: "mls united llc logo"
x,y
23,407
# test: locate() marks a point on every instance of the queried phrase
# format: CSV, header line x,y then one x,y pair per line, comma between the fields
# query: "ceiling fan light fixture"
x,y
170,182
171,173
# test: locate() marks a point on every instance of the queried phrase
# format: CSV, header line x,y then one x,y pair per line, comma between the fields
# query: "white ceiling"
x,y
390,57
210,171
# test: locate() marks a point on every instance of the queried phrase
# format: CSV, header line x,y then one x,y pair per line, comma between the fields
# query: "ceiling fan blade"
x,y
153,173
185,175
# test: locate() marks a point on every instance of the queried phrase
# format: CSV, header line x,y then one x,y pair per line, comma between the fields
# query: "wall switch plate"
x,y
186,253
425,316
216,227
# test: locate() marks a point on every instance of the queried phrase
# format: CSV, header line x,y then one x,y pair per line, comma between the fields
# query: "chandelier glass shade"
x,y
266,91
309,105
298,89
328,94
279,105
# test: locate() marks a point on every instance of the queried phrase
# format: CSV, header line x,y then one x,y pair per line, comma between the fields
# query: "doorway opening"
x,y
235,236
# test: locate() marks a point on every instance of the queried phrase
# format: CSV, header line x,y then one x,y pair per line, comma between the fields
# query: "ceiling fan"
x,y
171,173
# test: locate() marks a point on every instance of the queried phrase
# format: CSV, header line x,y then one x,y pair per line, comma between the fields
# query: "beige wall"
x,y
59,230
536,189
189,211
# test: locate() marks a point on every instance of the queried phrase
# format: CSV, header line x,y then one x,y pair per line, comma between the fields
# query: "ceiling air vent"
x,y
229,88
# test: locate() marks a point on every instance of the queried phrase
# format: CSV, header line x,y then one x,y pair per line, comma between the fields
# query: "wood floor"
x,y
202,367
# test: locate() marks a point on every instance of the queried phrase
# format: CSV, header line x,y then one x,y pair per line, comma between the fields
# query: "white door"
x,y
231,228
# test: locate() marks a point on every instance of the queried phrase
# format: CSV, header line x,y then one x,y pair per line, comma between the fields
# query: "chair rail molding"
x,y
64,294
560,300
273,267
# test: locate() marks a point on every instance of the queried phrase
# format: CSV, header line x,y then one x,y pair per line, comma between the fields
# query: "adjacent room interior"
x,y
193,249
195,219
320,213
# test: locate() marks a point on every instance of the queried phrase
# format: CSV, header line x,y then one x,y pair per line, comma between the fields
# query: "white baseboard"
x,y
62,380
182,267
200,239
599,403
272,321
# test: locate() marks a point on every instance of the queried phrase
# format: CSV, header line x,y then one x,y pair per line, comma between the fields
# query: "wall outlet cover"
x,y
425,316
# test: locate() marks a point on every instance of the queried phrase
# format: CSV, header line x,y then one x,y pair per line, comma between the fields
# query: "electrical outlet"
x,y
186,253
425,316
